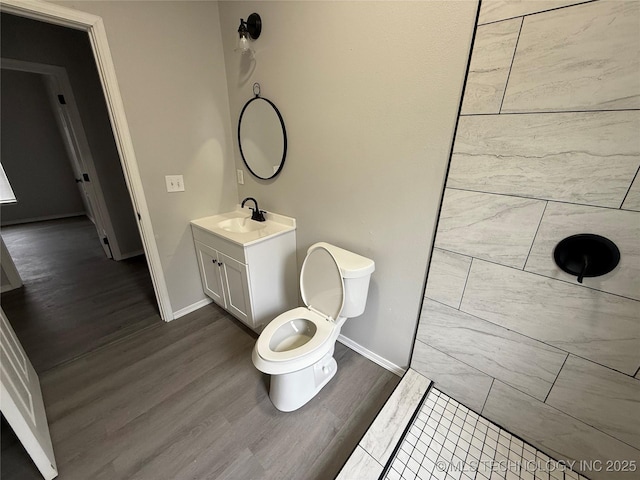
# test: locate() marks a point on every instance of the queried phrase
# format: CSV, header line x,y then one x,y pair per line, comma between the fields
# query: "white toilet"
x,y
296,348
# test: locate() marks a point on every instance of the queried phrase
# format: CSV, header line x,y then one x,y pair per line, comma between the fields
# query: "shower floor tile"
x,y
447,441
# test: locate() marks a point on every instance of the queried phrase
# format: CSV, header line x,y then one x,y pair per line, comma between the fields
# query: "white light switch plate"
x,y
175,183
240,175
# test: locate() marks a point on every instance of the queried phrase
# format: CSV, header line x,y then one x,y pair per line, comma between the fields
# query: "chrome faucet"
x,y
257,215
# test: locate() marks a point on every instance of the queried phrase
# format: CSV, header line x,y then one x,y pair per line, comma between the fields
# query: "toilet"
x,y
296,348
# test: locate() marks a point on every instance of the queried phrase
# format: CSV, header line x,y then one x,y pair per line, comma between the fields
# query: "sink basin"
x,y
241,225
237,227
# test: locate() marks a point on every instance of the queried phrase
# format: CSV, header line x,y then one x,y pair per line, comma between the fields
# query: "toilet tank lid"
x,y
351,264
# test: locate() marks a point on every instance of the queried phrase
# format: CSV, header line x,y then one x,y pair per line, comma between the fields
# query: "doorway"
x,y
70,302
74,299
92,28
33,94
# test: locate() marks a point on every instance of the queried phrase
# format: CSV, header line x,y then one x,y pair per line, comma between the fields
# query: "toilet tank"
x,y
356,272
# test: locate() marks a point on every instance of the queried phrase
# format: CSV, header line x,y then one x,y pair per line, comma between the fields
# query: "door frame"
x,y
9,269
76,144
94,26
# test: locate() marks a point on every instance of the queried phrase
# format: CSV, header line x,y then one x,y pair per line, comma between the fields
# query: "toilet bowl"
x,y
296,348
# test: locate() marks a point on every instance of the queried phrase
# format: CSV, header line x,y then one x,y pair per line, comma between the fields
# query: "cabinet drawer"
x,y
220,244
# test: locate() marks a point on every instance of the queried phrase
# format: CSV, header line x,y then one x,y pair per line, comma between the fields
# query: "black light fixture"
x,y
249,29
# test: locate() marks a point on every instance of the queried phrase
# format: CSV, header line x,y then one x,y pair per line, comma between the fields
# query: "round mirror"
x,y
262,138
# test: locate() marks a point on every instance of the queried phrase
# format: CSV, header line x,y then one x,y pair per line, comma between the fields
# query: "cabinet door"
x,y
236,284
211,273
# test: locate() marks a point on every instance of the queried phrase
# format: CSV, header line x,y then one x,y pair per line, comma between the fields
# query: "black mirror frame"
x,y
284,137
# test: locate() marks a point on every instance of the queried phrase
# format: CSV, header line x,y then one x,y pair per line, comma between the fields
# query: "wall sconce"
x,y
249,29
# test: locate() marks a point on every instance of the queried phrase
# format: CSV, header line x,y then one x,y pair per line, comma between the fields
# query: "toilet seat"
x,y
322,290
299,358
324,328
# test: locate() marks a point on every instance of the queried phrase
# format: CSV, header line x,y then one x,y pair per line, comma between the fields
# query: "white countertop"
x,y
274,225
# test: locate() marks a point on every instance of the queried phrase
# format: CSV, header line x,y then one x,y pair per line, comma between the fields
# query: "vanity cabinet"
x,y
255,282
225,280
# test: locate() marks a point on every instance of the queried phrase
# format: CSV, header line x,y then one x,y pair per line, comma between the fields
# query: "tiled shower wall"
x,y
548,145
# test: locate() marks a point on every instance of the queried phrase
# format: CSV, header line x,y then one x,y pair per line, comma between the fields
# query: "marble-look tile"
x,y
386,430
632,202
360,465
490,62
586,57
447,276
464,383
600,397
592,324
523,363
555,432
498,228
552,156
494,10
561,220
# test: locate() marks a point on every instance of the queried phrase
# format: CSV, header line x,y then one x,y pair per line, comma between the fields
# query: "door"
x,y
236,284
67,116
77,146
59,104
21,401
210,273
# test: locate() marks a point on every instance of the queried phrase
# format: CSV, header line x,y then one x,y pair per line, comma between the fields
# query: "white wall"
x,y
170,68
369,92
33,155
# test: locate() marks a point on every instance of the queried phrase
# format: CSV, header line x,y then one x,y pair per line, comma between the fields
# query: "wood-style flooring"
x,y
182,400
74,298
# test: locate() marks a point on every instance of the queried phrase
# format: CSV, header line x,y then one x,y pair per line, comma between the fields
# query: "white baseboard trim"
x,y
43,219
374,357
8,287
191,308
124,256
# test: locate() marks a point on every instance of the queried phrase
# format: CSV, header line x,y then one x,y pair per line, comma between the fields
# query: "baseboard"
x,y
191,308
374,357
43,219
124,256
7,287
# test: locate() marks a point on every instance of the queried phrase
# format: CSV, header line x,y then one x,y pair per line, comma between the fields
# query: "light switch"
x,y
175,183
240,175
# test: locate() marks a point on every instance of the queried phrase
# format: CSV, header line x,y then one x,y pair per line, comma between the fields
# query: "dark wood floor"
x,y
182,400
74,298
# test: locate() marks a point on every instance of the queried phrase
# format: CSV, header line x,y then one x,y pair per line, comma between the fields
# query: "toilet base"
x,y
290,391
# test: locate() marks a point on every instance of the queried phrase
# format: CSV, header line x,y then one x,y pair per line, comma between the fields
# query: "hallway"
x,y
74,299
